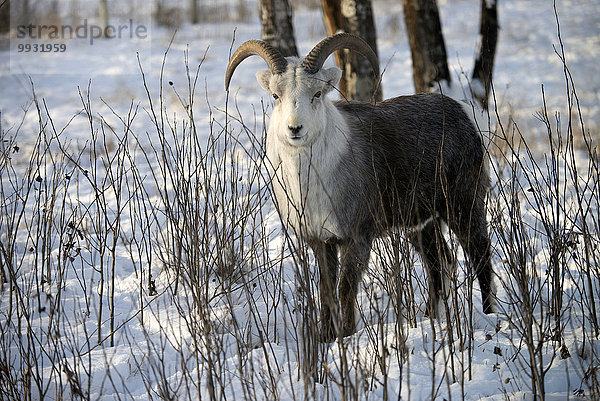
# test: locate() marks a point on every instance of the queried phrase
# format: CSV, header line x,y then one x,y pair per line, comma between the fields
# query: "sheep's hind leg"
x,y
474,238
430,244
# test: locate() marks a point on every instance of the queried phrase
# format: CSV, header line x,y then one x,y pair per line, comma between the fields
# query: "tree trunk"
x,y
430,64
484,61
332,14
4,16
359,81
20,12
104,16
194,11
277,28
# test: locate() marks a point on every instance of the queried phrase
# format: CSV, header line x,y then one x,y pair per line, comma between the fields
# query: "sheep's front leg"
x,y
355,258
327,260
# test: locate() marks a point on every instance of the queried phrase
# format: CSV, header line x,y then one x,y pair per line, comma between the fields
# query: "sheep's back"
x,y
417,148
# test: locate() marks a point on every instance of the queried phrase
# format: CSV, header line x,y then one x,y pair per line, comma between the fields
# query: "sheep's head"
x,y
299,112
299,86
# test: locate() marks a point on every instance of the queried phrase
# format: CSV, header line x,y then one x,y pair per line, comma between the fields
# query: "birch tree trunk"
x,y
484,61
430,64
277,27
359,81
104,15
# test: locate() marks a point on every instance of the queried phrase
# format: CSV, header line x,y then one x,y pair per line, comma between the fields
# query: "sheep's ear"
x,y
332,77
264,77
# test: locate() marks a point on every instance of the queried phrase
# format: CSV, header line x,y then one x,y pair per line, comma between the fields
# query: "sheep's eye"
x,y
318,94
275,96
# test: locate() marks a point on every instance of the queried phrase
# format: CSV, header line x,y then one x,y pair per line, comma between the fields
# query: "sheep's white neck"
x,y
304,178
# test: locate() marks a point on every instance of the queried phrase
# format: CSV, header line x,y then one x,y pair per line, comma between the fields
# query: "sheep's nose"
x,y
295,129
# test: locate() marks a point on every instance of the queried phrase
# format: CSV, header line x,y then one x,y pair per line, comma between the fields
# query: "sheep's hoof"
x,y
348,331
431,309
488,307
327,335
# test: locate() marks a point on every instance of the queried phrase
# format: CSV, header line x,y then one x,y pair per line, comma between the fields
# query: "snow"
x,y
245,340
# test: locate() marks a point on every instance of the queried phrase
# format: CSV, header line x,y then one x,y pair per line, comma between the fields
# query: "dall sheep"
x,y
345,172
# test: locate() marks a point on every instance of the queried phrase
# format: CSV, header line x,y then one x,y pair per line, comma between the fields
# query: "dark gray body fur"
x,y
413,161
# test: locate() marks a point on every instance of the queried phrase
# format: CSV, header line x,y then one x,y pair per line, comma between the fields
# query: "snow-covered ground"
x,y
243,336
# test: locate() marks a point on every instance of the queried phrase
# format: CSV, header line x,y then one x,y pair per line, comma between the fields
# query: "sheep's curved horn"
x,y
317,56
276,62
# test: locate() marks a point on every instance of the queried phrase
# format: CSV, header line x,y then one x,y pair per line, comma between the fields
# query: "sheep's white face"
x,y
299,114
